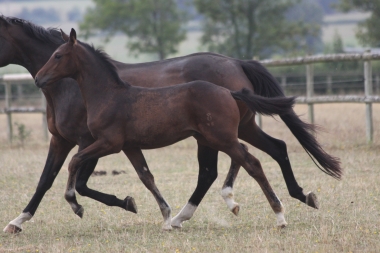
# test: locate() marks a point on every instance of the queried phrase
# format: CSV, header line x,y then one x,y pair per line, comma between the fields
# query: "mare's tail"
x,y
264,84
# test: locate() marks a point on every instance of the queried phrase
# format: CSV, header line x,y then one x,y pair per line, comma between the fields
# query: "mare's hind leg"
x,y
252,134
208,172
252,165
110,200
138,161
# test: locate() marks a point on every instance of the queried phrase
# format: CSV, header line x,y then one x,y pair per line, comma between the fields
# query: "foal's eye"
x,y
57,56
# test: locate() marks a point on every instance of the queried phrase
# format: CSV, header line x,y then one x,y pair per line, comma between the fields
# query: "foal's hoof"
x,y
311,200
12,229
79,211
130,204
236,210
282,224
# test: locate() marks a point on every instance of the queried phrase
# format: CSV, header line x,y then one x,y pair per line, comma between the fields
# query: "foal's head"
x,y
63,62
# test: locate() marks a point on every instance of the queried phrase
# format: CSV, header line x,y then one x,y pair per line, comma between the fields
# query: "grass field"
x,y
348,219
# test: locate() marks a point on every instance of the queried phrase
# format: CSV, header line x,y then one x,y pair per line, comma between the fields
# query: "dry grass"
x,y
348,220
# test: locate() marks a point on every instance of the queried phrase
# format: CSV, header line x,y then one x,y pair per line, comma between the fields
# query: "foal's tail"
x,y
264,84
263,105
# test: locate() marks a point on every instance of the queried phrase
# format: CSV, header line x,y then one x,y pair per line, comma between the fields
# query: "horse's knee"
x,y
281,153
81,188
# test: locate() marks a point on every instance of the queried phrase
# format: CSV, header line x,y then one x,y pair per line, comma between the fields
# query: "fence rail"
x,y
310,99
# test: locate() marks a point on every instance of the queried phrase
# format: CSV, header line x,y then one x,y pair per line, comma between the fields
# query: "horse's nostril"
x,y
36,80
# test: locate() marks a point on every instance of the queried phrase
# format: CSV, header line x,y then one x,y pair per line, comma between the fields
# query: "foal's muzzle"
x,y
38,83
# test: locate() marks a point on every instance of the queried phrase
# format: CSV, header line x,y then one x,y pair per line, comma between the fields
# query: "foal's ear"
x,y
64,36
73,36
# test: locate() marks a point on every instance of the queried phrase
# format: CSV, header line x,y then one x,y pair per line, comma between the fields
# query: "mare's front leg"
x,y
96,150
138,161
58,151
110,200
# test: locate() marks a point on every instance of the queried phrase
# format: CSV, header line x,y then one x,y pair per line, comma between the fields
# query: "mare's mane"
x,y
105,59
38,32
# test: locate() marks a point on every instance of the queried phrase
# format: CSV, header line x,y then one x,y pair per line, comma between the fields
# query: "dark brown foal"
x,y
129,118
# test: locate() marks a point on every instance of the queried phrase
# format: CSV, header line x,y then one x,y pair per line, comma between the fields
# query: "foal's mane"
x,y
106,60
46,35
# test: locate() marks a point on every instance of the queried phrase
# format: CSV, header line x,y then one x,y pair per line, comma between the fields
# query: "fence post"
x,y
259,120
368,89
310,89
8,98
283,83
44,120
329,84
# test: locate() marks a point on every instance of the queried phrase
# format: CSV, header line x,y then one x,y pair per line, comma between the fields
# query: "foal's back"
x,y
159,117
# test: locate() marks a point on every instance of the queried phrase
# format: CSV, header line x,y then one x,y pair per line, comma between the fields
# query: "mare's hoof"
x,y
80,211
236,210
130,204
311,200
12,229
167,227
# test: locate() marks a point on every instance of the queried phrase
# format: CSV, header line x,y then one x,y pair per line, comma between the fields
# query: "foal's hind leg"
x,y
252,165
138,161
252,134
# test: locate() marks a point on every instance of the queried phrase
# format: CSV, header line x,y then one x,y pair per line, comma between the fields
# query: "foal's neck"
x,y
96,81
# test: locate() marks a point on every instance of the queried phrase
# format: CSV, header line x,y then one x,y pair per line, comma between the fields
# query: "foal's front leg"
x,y
138,161
96,150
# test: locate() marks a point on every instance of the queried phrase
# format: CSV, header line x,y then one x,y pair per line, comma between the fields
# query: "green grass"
x,y
347,221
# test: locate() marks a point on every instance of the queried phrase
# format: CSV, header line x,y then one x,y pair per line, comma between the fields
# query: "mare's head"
x,y
62,63
17,36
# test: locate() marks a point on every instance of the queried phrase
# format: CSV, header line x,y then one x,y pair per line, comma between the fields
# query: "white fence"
x,y
13,79
310,99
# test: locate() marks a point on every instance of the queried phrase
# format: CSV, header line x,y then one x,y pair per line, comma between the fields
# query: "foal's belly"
x,y
156,139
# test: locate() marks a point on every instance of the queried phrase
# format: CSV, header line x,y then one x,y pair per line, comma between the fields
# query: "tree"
x,y
246,28
153,26
368,32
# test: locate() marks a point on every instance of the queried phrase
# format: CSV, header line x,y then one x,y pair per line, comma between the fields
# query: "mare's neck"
x,y
33,55
96,82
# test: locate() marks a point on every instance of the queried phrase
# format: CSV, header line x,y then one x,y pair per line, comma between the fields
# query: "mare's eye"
x,y
57,56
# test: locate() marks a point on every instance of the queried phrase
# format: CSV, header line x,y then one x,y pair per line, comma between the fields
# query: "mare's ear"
x,y
64,36
73,36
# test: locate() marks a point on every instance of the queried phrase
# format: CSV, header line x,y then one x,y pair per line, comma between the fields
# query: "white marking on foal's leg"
x,y
185,214
228,196
281,222
19,221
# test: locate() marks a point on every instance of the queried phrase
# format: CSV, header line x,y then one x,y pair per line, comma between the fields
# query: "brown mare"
x,y
127,118
28,45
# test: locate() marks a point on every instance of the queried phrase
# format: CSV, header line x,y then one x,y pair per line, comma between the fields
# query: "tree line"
x,y
238,28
